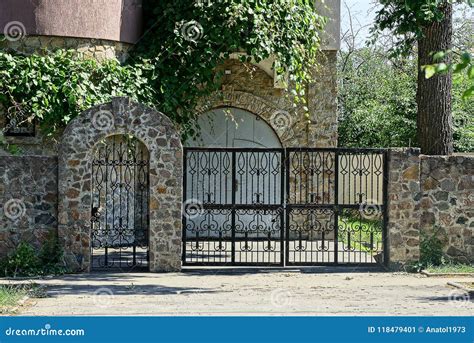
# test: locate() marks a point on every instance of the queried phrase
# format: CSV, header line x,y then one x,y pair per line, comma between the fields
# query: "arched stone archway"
x,y
231,127
279,118
158,134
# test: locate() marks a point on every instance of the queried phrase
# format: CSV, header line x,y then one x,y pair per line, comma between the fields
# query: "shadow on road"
x,y
55,290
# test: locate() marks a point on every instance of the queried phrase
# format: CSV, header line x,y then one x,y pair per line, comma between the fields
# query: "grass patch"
x,y
365,235
10,295
451,268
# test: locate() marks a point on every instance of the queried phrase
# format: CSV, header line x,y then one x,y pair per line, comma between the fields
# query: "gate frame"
x,y
286,206
233,207
147,214
336,206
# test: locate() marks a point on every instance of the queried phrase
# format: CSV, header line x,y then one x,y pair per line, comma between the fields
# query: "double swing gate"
x,y
276,207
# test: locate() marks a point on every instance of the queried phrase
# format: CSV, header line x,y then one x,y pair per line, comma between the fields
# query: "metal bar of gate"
x,y
183,210
336,208
386,258
287,208
233,187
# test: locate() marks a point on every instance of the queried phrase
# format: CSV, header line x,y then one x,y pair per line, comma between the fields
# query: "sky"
x,y
362,13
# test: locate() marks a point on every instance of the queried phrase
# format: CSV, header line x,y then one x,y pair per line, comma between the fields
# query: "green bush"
x,y
51,251
25,260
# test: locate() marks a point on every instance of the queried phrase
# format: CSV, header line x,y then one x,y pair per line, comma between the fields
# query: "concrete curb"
x,y
461,286
427,273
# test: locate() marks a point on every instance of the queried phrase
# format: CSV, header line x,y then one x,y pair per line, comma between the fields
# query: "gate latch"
x,y
97,211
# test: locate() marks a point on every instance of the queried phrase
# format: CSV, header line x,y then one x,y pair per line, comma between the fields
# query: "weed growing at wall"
x,y
25,260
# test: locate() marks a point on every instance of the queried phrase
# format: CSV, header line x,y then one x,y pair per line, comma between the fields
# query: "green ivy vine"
x,y
174,63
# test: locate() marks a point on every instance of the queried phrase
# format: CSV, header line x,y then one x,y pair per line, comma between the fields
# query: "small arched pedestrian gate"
x,y
119,212
162,191
294,206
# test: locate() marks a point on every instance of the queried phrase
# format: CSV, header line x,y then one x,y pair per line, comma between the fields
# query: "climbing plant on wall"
x,y
173,65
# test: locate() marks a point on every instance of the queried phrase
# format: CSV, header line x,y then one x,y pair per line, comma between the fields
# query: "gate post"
x,y
403,207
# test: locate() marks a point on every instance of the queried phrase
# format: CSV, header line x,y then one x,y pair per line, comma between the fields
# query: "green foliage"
x,y
465,64
12,294
463,114
173,65
51,251
451,267
55,88
431,249
26,261
405,20
377,100
188,41
363,231
21,262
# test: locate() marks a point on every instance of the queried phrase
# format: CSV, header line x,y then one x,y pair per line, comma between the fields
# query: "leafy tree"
x,y
377,106
428,23
377,91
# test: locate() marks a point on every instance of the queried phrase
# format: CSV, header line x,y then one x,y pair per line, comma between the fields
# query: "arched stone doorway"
x,y
231,127
277,120
76,156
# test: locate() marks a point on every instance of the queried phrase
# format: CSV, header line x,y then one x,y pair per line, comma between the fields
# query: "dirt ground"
x,y
250,292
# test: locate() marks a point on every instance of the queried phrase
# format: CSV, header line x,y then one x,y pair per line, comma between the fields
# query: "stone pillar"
x,y
403,207
322,104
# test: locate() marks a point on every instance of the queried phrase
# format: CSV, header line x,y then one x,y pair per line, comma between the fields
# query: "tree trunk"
x,y
435,128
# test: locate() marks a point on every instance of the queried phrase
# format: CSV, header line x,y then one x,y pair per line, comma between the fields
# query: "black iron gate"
x,y
119,213
335,206
298,206
233,213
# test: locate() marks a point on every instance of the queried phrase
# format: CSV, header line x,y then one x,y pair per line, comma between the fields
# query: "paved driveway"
x,y
267,292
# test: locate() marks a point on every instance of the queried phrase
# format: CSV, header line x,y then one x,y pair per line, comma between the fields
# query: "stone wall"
x,y
447,204
98,49
427,195
322,104
28,200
